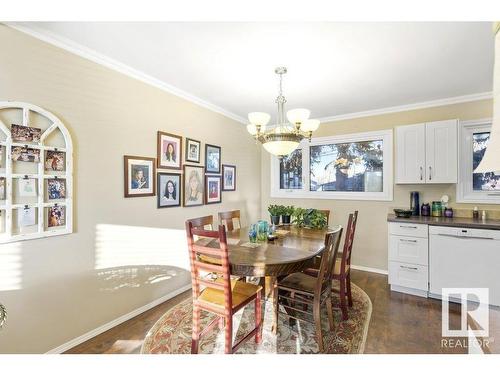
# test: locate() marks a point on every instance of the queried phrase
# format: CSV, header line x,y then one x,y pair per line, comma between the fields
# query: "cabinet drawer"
x,y
408,229
409,250
408,275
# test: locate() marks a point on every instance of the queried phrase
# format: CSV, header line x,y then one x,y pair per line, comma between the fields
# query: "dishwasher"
x,y
464,258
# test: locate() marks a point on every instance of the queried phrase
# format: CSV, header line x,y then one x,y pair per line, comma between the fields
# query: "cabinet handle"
x,y
405,240
421,173
408,226
409,268
430,173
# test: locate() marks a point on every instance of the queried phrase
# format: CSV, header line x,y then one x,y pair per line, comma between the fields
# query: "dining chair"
x,y
227,218
342,268
223,296
300,288
327,214
204,222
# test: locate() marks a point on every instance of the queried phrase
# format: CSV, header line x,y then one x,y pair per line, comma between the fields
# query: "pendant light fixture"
x,y
283,138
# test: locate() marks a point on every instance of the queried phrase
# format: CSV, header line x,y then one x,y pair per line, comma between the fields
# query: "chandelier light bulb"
x,y
298,115
259,118
252,129
310,125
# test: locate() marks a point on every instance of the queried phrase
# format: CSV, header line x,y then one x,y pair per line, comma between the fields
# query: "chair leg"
x,y
228,335
258,318
196,330
329,309
349,294
317,323
343,304
276,307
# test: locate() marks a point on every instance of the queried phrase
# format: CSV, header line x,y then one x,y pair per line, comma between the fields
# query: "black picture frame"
x,y
178,189
226,167
209,150
190,141
208,179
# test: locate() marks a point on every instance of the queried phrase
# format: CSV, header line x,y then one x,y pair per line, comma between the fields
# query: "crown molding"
x,y
115,65
410,107
101,59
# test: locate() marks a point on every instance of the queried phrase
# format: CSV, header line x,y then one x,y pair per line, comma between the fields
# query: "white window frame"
x,y
465,193
386,195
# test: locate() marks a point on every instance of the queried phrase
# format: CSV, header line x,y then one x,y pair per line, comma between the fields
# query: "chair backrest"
x,y
348,241
327,264
226,218
199,267
202,222
327,214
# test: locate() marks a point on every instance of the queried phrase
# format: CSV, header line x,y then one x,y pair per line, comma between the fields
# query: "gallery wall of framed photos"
x,y
195,185
36,173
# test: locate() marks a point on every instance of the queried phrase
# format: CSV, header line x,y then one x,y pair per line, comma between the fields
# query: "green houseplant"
x,y
275,212
309,217
286,214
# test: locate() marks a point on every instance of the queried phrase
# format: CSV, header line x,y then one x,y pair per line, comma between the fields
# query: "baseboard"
x,y
91,334
369,269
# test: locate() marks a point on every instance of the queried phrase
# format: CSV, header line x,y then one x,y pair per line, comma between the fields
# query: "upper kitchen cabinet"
x,y
427,153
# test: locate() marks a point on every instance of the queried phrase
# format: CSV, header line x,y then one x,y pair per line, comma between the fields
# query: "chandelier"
x,y
283,138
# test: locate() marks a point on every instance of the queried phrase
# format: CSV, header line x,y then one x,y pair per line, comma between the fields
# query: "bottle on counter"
x,y
475,213
483,215
425,210
448,212
437,209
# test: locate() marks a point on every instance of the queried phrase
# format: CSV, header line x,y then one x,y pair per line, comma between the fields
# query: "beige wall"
x,y
124,253
370,246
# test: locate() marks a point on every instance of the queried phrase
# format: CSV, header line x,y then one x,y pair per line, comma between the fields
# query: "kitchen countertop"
x,y
463,222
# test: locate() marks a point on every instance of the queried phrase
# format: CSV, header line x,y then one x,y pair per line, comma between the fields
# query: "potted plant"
x,y
309,217
286,214
275,212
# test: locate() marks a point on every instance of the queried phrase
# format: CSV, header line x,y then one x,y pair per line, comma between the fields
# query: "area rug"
x,y
171,334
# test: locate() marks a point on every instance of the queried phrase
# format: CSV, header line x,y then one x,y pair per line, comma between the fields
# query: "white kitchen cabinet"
x,y
427,153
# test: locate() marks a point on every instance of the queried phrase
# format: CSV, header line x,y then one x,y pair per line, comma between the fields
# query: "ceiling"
x,y
333,68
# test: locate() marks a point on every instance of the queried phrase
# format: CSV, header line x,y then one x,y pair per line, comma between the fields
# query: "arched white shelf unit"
x,y
10,232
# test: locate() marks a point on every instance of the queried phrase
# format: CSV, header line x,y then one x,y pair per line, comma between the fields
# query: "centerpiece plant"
x,y
275,211
286,213
309,218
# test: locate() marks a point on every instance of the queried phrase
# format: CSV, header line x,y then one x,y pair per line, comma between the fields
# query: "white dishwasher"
x,y
464,258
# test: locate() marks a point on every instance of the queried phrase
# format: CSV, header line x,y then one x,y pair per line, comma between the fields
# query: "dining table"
x,y
294,249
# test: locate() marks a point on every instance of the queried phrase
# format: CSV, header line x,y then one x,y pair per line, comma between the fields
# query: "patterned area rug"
x,y
171,334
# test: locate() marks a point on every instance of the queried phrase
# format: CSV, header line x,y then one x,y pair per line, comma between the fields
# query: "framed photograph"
x,y
169,150
228,177
169,190
25,133
213,189
139,176
56,188
194,188
212,159
56,216
193,150
27,154
27,187
55,161
3,188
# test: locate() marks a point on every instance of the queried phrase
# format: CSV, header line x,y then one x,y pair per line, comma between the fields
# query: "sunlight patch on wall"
x,y
122,245
11,270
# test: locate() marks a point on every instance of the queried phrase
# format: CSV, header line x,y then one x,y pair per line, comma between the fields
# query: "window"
x,y
291,171
475,187
355,166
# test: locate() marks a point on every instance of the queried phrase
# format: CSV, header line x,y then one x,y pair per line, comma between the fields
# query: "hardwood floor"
x,y
400,323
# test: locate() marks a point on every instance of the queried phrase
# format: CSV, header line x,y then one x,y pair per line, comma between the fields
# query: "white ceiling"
x,y
333,68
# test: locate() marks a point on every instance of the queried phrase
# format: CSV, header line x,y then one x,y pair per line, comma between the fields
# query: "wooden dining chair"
x,y
228,218
342,268
327,214
223,296
204,222
306,290
342,271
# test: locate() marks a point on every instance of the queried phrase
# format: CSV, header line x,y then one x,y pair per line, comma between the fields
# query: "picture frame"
x,y
139,175
193,150
22,133
55,161
194,188
228,177
169,150
56,188
212,159
213,189
169,187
